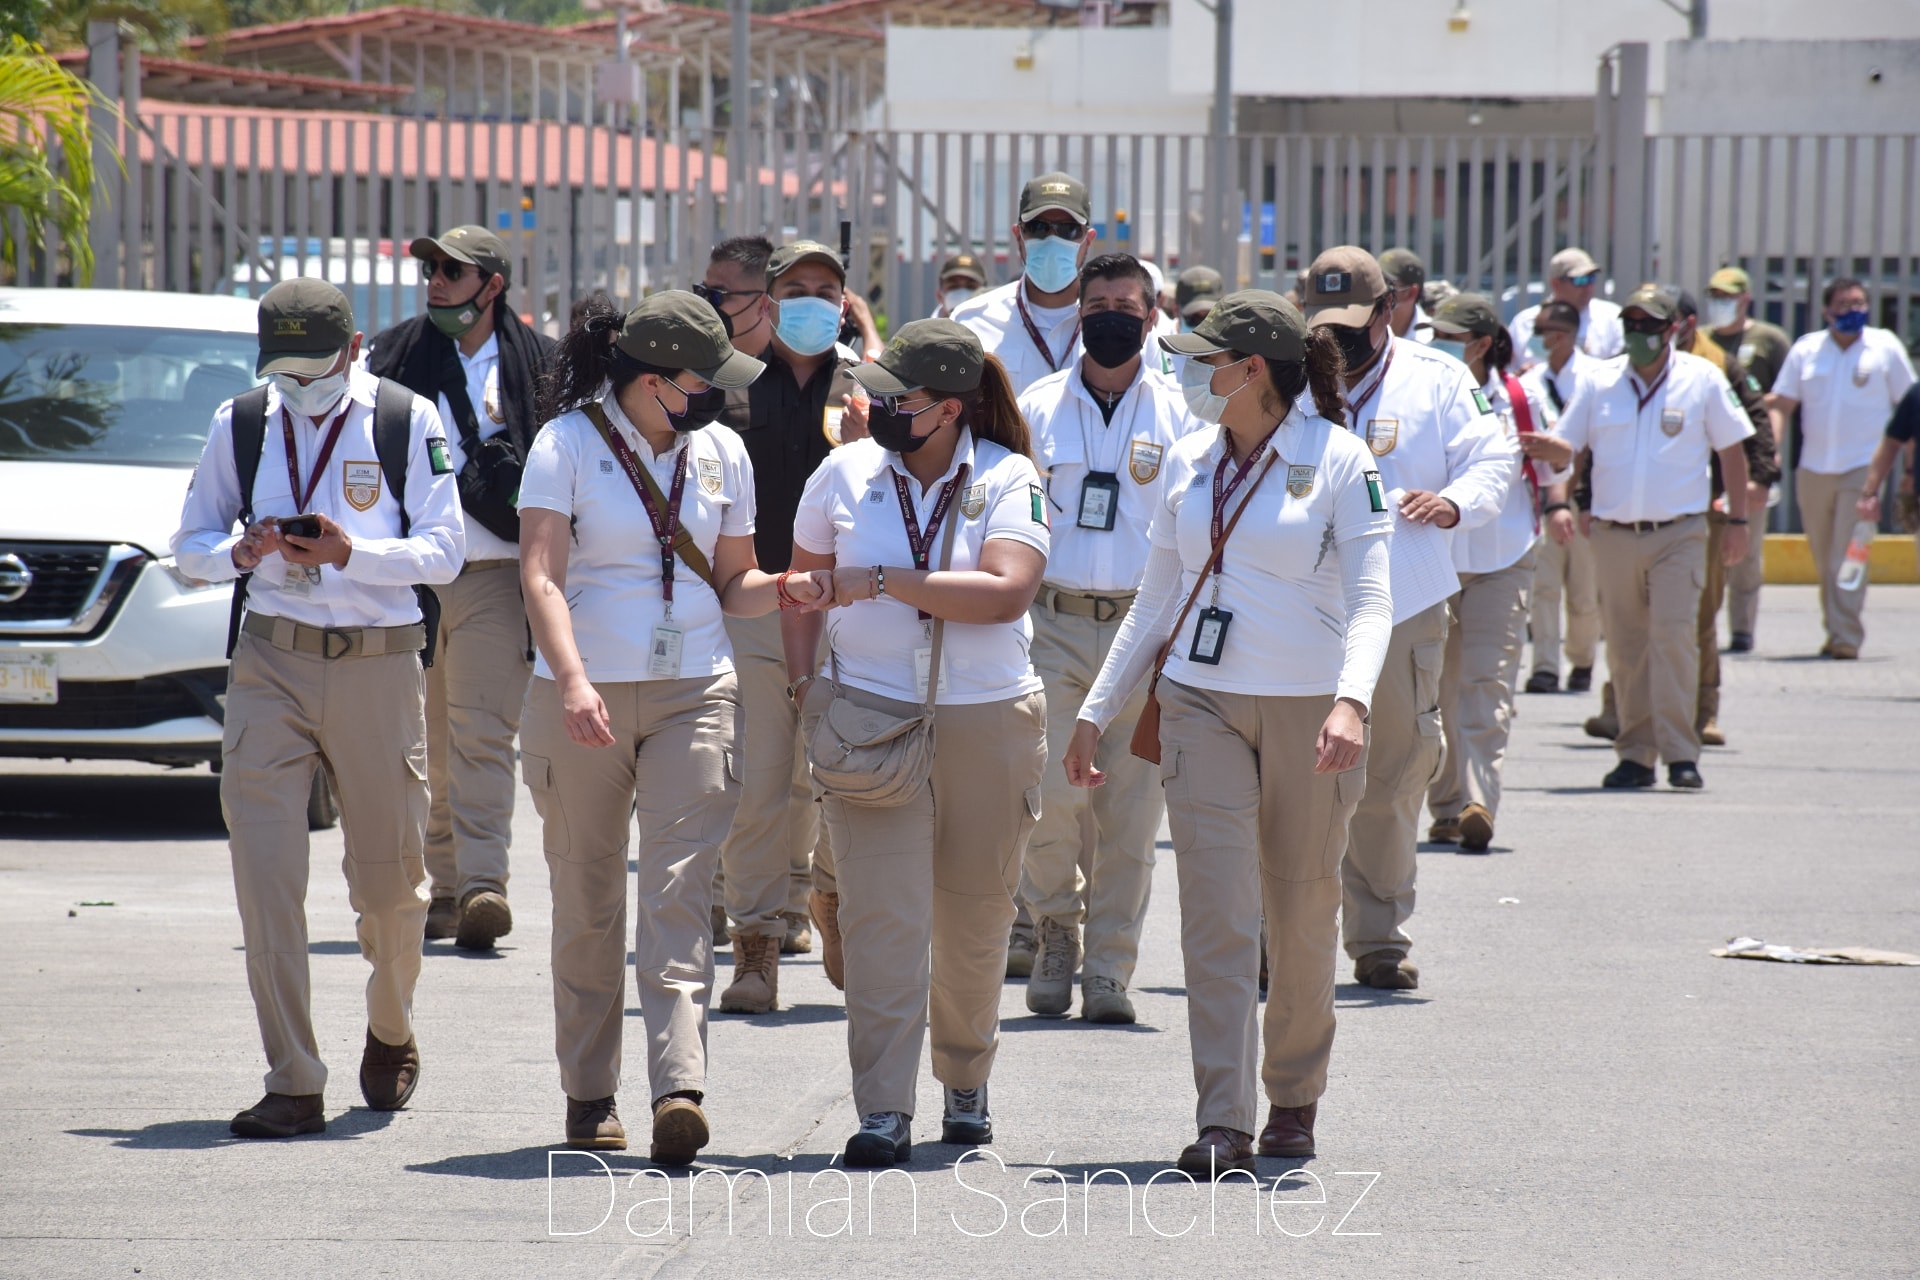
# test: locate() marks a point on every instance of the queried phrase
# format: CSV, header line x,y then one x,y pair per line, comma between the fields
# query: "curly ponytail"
x,y
583,362
1500,354
1321,371
991,412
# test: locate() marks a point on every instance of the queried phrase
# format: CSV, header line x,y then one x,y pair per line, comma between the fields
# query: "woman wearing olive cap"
x,y
636,518
926,888
1262,705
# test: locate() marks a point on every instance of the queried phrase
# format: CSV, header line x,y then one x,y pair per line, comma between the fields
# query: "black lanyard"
x,y
303,496
1223,489
1355,405
665,531
920,545
1033,331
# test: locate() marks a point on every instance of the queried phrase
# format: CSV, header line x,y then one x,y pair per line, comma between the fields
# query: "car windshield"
x,y
107,393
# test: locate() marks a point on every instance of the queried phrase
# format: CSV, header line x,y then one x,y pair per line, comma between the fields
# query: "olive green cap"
x,y
1731,280
936,354
1467,313
675,329
789,256
1197,287
1253,321
1060,191
304,326
963,264
1343,284
1403,267
473,245
1653,300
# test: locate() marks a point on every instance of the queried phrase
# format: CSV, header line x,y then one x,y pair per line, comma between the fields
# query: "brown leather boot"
x,y
388,1073
595,1125
825,908
1289,1131
484,916
443,918
281,1115
679,1128
799,939
1387,969
756,975
1218,1151
1476,828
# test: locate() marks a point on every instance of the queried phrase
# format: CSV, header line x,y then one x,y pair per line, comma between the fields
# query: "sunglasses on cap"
x,y
1041,228
451,270
716,296
1643,324
1582,280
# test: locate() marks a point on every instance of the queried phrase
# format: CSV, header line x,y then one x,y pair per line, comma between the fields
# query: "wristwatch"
x,y
794,688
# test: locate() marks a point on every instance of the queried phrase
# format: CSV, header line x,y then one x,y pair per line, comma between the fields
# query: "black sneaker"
x,y
1684,776
1742,642
966,1121
1543,682
885,1138
1580,680
1627,774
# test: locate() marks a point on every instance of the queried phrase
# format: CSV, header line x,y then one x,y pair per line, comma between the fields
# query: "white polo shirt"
x,y
1650,461
1556,389
850,510
1281,576
1430,428
1071,439
1507,537
1845,396
375,589
613,563
1600,336
995,317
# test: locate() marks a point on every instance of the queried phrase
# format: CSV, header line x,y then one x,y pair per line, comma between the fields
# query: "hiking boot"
x,y
388,1072
1020,952
1218,1151
825,909
1105,1000
1580,680
443,918
1543,682
281,1115
595,1125
756,975
1476,828
679,1129
1444,831
885,1138
717,920
1710,735
1050,991
484,916
799,938
1387,969
966,1121
1289,1131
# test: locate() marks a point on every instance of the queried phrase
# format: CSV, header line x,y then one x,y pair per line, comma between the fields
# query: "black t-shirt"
x,y
780,423
1905,423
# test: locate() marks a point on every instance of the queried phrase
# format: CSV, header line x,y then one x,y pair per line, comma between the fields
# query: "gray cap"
x,y
1569,262
1343,284
1255,321
1196,288
789,256
304,326
473,245
1060,191
675,329
1467,313
939,355
1404,268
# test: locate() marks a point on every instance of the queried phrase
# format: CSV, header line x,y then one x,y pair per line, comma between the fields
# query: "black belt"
x,y
1648,526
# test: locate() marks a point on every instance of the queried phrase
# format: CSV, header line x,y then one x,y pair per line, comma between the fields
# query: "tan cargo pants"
x,y
1650,585
1405,747
475,689
1255,827
1485,636
674,765
1827,514
1564,576
1708,638
926,896
1121,819
1745,579
362,719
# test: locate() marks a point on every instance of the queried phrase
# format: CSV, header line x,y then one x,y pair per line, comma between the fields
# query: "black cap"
x,y
1256,321
473,245
939,355
675,329
304,326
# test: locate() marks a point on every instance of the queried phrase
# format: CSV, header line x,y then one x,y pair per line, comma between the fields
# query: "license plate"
x,y
29,677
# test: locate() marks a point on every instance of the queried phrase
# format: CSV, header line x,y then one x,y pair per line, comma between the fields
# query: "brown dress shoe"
x,y
1218,1151
825,909
388,1073
443,918
1289,1131
595,1126
756,975
1387,969
484,916
1476,828
281,1115
799,939
679,1129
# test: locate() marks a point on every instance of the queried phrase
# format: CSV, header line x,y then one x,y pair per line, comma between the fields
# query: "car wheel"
x,y
322,811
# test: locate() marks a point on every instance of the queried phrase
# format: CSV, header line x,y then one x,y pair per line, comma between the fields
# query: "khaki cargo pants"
x,y
1650,587
1485,636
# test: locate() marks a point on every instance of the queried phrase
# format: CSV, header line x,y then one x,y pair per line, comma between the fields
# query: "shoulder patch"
x,y
1376,498
1038,497
1480,401
1753,384
437,455
1734,400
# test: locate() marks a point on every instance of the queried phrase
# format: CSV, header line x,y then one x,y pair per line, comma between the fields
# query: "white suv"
x,y
107,650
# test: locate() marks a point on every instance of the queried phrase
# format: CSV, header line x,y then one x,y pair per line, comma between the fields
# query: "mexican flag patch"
x,y
1374,495
1480,401
437,456
1039,499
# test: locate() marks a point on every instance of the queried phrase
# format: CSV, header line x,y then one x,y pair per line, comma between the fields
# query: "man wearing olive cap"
x,y
1762,348
1407,276
961,277
1033,324
326,674
471,356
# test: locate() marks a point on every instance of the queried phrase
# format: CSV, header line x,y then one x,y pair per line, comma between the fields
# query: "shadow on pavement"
x,y
1038,1022
798,1015
204,1135
1357,995
524,1165
93,806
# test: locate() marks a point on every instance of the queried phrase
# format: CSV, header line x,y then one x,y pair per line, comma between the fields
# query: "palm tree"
x,y
43,104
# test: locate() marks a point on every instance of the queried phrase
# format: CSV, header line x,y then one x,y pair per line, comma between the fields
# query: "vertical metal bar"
x,y
1351,220
1818,271
1476,212
989,214
1181,228
1160,201
1906,261
940,197
1377,196
967,243
917,259
1876,237
1455,251
1503,211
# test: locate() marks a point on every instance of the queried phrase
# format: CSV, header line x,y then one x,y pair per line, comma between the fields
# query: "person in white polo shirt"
x,y
1563,572
1653,421
1574,277
1102,429
1846,381
1033,324
935,529
1445,463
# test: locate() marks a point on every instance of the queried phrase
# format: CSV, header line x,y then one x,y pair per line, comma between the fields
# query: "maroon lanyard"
x,y
665,531
1223,489
305,496
920,544
1033,331
1654,390
1381,381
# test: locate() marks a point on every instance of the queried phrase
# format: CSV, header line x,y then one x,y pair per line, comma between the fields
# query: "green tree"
x,y
40,101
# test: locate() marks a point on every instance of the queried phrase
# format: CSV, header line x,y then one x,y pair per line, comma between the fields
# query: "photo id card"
x,y
922,660
1210,636
301,579
664,656
1099,500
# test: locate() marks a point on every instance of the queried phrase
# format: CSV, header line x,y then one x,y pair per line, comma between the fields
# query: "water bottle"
x,y
1853,570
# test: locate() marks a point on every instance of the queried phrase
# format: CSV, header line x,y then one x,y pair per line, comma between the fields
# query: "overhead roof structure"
x,y
212,84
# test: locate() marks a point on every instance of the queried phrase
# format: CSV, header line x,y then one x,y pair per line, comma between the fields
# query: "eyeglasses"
x,y
1041,228
1583,280
448,269
892,405
717,297
1643,324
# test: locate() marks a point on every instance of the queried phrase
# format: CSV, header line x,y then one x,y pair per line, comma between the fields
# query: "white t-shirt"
x,y
1070,439
613,565
1845,397
1280,577
1430,428
1600,336
1502,540
1651,462
995,317
850,510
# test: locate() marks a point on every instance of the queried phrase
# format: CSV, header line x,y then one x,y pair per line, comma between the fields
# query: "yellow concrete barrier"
x,y
1787,559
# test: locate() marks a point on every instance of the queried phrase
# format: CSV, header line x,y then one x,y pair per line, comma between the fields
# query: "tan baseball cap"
x,y
674,329
1571,262
963,264
937,354
789,256
1731,280
1255,321
304,325
1060,191
1342,287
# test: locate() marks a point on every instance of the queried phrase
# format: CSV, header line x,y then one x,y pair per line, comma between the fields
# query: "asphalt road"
x,y
1577,1089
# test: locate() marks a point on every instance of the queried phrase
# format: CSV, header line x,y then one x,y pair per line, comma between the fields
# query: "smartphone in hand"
x,y
306,525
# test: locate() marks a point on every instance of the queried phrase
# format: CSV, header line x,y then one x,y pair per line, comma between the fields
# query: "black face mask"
x,y
1355,344
1112,337
893,431
703,407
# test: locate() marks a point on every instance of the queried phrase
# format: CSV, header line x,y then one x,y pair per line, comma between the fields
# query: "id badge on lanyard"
x,y
1099,501
663,656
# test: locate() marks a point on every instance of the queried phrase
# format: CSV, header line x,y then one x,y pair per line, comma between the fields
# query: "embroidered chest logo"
x,y
491,397
973,501
1671,420
361,483
1143,461
1299,481
709,470
1382,435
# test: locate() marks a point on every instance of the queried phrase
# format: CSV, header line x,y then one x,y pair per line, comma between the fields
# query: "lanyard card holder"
x,y
1210,635
1099,501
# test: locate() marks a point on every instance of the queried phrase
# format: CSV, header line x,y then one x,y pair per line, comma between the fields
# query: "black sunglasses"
x,y
717,297
451,271
1040,229
1644,324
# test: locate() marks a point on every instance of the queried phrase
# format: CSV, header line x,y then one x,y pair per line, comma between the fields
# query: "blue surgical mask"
x,y
1052,263
1458,350
1196,385
1537,349
1849,321
807,326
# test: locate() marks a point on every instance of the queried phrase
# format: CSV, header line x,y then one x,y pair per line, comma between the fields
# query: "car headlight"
x,y
185,580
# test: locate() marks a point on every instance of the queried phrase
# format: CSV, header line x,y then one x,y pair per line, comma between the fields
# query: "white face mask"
x,y
1722,313
313,399
1196,384
955,297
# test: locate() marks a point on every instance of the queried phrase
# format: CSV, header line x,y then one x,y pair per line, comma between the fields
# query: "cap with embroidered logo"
x,y
1404,268
1653,300
1729,280
962,264
674,329
939,355
304,325
1343,284
1198,288
475,246
789,256
1060,191
1253,321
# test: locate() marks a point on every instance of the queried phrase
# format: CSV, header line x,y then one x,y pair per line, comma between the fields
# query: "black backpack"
x,y
392,441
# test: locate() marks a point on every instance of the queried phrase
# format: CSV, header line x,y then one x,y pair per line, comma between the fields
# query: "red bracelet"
x,y
787,598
